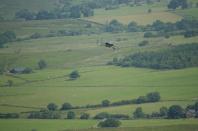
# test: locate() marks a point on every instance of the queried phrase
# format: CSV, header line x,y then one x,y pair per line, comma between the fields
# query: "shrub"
x,y
143,43
105,103
71,115
84,116
66,106
74,75
114,26
109,123
148,34
119,116
141,99
52,107
42,64
27,70
163,111
44,114
175,112
35,36
9,83
102,115
153,97
9,116
138,113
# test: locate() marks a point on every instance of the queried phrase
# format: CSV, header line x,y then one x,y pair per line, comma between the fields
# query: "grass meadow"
x,y
98,81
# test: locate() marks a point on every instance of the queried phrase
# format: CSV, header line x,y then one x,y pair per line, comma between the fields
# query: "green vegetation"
x,y
71,115
42,64
53,125
173,4
85,116
109,123
138,113
6,37
74,75
53,65
52,107
178,57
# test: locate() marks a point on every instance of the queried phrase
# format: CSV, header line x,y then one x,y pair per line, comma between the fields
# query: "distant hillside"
x,y
9,7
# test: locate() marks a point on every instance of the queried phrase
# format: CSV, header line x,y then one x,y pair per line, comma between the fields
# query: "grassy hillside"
x,y
139,14
9,7
69,125
63,54
44,27
87,54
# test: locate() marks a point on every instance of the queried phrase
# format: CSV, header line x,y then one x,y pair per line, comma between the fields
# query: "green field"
x,y
26,28
98,81
188,13
96,78
61,125
139,14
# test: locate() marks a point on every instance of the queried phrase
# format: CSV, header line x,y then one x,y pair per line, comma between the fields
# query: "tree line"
x,y
69,9
172,112
177,57
188,28
149,98
53,112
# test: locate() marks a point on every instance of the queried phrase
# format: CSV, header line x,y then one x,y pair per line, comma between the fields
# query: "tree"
x,y
52,107
153,97
184,4
75,12
175,112
148,34
3,40
173,4
84,116
74,75
9,83
109,123
163,111
2,68
42,64
133,27
71,115
7,36
196,106
11,36
149,10
43,15
87,11
141,99
105,103
138,113
66,106
25,14
114,26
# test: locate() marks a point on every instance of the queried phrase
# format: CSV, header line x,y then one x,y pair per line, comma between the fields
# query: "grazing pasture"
x,y
87,53
139,14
